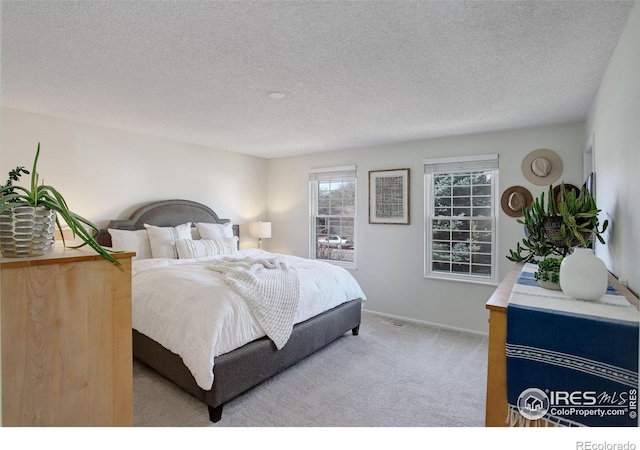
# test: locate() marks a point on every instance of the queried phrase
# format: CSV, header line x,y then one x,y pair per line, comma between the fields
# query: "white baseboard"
x,y
424,323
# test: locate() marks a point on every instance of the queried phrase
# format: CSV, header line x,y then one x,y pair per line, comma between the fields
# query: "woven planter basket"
x,y
26,231
552,225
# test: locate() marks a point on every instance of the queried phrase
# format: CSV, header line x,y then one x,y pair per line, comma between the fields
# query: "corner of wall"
x,y
0,277
612,120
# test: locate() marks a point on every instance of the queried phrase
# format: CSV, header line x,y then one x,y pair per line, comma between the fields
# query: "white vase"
x,y
583,275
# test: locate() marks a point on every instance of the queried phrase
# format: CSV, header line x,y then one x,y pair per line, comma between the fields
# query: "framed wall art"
x,y
389,196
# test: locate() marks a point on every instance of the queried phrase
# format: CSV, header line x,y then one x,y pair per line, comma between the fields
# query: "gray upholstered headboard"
x,y
165,213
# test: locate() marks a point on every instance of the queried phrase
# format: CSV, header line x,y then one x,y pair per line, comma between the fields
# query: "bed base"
x,y
248,366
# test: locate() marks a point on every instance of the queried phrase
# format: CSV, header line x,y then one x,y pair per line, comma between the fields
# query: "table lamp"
x,y
260,230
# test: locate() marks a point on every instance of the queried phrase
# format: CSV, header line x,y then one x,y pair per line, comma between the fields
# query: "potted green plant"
x,y
577,216
536,244
548,273
28,217
554,225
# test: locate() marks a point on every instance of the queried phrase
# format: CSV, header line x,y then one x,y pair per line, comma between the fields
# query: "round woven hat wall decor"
x,y
514,199
542,167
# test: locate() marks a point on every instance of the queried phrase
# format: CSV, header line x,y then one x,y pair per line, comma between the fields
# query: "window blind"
x,y
332,173
471,164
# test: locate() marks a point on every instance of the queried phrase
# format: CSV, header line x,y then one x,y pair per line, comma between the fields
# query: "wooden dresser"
x,y
496,407
66,340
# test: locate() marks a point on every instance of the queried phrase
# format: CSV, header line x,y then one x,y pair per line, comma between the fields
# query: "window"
x,y
460,226
333,215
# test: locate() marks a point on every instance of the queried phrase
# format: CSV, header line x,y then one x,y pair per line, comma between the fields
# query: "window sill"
x,y
464,279
349,266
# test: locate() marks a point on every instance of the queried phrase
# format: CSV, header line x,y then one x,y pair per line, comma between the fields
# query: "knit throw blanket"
x,y
271,287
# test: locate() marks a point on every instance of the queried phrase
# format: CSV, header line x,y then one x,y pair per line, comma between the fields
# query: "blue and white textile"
x,y
580,357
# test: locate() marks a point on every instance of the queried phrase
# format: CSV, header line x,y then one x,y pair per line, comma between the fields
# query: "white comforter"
x,y
190,310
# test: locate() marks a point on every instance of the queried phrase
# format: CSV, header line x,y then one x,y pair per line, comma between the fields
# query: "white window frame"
x,y
324,174
460,165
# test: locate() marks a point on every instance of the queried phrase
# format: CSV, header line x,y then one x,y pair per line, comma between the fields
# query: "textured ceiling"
x,y
354,73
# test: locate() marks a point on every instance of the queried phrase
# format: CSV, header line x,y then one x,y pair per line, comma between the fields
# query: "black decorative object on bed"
x,y
239,369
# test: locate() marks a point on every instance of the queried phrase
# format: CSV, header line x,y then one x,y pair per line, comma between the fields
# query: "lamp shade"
x,y
260,229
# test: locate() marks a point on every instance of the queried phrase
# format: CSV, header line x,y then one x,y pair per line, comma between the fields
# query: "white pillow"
x,y
215,230
136,240
162,239
189,248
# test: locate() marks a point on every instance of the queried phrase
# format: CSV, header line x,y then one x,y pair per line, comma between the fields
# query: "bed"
x,y
235,366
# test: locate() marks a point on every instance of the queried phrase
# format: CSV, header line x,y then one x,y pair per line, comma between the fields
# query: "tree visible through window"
x,y
333,214
460,227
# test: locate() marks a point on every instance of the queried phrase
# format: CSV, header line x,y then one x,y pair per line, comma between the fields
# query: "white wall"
x,y
390,257
106,174
0,277
614,121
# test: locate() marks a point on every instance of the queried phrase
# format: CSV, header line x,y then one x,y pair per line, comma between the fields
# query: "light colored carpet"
x,y
388,376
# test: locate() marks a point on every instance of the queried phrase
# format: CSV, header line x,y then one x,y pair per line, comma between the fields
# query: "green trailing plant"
x,y
553,226
12,196
548,270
